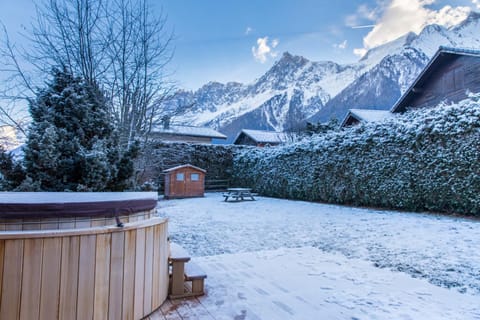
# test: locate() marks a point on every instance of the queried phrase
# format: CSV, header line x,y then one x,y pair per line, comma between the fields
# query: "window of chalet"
x,y
180,177
194,177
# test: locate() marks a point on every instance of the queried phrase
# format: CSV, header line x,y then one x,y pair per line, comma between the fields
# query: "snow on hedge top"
x,y
73,197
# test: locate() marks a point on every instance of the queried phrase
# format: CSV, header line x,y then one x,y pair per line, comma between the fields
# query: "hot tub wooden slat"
x,y
139,274
129,268
32,278
116,277
86,272
69,278
12,279
2,255
156,267
49,292
102,274
148,270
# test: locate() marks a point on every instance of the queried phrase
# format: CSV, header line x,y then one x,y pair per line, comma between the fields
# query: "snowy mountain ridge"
x,y
296,89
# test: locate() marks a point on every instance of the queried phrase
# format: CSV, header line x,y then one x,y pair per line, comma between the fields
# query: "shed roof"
x,y
367,115
262,136
184,166
443,55
190,131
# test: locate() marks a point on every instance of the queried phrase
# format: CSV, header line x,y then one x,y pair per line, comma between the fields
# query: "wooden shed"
x,y
184,182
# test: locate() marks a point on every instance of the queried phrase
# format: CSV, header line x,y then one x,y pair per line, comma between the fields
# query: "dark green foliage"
x,y
72,144
11,172
424,160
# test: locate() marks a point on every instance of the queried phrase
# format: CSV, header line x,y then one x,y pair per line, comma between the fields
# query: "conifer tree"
x,y
72,143
11,172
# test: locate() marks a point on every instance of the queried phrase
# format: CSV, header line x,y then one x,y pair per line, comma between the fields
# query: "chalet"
x,y
355,116
188,134
449,76
260,138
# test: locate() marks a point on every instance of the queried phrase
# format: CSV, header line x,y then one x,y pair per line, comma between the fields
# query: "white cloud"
x,y
343,45
477,3
264,49
248,31
364,13
402,16
360,52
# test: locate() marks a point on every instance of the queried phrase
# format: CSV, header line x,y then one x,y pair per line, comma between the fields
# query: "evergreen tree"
x,y
11,172
72,144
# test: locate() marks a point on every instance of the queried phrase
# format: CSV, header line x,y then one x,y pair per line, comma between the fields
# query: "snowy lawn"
x,y
367,259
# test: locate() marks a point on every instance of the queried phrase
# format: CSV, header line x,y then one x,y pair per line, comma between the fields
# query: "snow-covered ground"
x,y
349,262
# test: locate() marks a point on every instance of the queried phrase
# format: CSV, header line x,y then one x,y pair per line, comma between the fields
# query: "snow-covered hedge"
x,y
427,159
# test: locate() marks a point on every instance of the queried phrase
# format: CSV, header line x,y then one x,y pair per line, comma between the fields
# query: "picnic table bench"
x,y
239,194
186,278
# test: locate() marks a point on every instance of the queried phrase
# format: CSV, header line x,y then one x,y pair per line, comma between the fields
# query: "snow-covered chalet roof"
x,y
190,131
366,115
261,136
443,54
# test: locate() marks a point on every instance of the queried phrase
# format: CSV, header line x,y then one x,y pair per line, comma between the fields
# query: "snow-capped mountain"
x,y
296,90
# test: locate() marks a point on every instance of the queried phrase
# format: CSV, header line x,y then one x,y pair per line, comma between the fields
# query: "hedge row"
x,y
427,159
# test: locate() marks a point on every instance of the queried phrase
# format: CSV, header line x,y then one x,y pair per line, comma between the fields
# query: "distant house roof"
x,y
443,55
184,166
366,115
190,131
261,136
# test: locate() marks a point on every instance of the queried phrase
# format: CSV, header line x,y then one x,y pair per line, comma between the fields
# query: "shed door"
x,y
194,186
179,183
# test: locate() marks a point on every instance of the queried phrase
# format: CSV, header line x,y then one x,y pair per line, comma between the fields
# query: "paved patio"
x,y
306,283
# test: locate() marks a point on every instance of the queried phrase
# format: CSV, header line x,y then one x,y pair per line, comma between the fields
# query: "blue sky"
x,y
223,40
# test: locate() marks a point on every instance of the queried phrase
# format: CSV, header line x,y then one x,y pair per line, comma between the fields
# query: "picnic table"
x,y
239,194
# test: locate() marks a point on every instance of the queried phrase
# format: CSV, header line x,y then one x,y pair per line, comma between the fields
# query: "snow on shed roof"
x,y
184,166
263,136
443,53
190,131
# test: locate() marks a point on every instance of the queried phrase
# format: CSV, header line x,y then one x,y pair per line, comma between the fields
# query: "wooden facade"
x,y
449,76
184,182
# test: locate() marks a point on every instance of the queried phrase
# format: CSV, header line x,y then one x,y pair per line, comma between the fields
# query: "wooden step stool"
x,y
186,278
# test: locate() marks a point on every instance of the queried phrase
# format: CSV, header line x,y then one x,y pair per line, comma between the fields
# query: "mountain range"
x,y
296,90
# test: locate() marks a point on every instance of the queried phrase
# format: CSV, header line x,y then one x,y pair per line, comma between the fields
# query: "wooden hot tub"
x,y
69,259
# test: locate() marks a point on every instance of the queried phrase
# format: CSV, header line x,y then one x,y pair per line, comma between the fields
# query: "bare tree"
x,y
117,44
139,53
